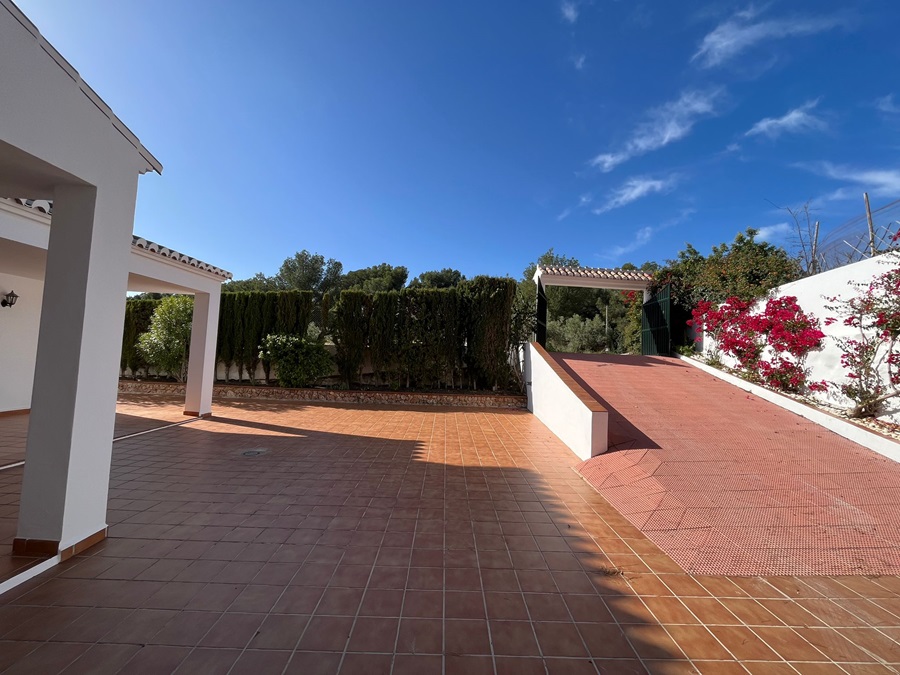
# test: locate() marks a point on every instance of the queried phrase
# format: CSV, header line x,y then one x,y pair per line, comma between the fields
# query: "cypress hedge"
x,y
351,333
417,337
137,320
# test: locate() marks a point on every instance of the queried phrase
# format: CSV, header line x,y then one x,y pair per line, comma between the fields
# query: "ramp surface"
x,y
726,483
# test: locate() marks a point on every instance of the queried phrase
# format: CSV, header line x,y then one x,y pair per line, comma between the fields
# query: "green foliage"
x,y
351,333
298,362
445,278
376,278
488,304
225,337
383,331
138,313
307,271
429,336
165,345
258,283
269,326
746,269
253,331
237,332
578,335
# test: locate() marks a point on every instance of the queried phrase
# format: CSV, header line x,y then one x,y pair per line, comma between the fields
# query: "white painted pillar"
x,y
69,447
202,364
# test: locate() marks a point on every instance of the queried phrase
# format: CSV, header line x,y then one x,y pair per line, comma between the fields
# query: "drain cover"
x,y
252,453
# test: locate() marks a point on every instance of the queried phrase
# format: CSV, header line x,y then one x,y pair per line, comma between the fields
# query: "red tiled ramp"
x,y
726,483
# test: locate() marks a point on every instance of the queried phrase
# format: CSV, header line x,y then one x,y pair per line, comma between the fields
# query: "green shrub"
x,y
298,362
165,345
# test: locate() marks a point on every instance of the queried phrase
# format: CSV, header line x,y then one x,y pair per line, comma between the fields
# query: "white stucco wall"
x,y
553,402
18,341
812,295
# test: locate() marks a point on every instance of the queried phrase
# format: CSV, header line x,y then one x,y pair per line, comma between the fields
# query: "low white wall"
x,y
18,341
554,403
812,294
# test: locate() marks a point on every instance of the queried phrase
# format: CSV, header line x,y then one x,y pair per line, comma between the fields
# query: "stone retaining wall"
x,y
234,391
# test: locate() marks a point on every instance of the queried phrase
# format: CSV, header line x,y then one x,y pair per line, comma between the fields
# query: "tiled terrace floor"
x,y
134,414
419,541
727,483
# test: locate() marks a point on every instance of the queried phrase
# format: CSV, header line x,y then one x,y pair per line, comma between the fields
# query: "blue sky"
x,y
477,135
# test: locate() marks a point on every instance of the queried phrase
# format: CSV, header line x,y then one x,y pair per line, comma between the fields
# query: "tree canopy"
x,y
445,278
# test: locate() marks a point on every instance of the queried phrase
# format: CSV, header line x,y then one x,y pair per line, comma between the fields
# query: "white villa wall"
x,y
812,295
553,402
18,341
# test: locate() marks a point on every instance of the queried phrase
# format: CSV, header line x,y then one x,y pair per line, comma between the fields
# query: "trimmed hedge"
x,y
137,320
416,338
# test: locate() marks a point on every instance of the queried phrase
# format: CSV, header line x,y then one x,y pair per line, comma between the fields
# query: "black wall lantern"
x,y
9,299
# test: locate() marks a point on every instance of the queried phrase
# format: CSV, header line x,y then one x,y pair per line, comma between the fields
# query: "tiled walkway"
x,y
727,483
328,539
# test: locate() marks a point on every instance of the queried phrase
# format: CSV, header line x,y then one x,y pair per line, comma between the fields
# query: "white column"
x,y
202,364
69,447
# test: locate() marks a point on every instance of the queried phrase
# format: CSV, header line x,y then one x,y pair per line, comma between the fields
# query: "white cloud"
x,y
583,201
665,124
569,11
578,61
641,237
744,30
644,234
886,105
795,121
776,232
634,189
877,182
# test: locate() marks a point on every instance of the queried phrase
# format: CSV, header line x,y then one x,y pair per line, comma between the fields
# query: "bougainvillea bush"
x,y
769,347
871,357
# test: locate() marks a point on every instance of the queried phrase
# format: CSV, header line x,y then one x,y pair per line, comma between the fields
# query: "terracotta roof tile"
x,y
597,273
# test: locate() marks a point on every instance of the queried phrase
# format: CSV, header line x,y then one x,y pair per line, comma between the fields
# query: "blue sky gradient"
x,y
476,135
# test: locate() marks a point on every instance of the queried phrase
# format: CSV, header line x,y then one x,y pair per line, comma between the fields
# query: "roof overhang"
x,y
592,277
25,232
149,162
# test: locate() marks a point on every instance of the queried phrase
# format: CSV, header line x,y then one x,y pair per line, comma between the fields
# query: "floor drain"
x,y
252,453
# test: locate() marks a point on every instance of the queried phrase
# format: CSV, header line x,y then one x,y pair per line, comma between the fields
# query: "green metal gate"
x,y
656,316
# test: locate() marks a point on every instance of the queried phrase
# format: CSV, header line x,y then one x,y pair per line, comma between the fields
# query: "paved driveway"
x,y
726,483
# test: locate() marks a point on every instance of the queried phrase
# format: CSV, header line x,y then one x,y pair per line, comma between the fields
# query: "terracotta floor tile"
x,y
788,644
372,634
420,636
417,664
588,608
717,667
469,665
743,643
466,637
517,665
369,520
696,642
203,660
255,662
279,631
326,633
464,605
152,659
313,663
